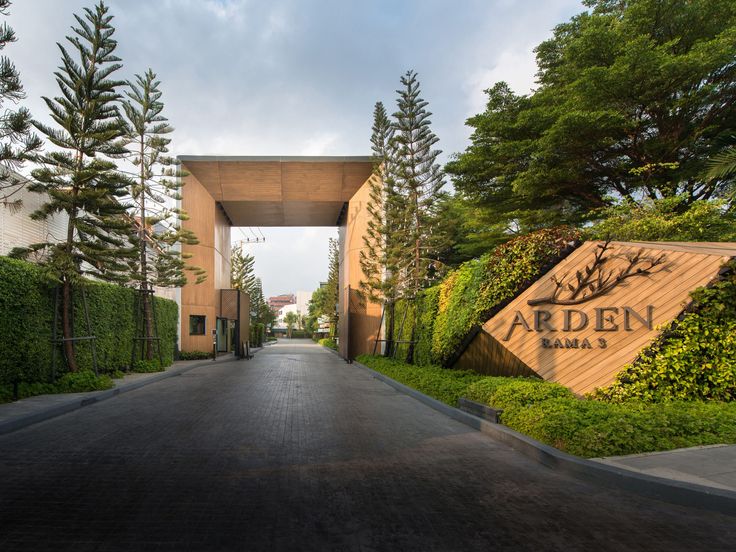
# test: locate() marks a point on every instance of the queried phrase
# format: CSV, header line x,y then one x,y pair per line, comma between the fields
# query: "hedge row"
x,y
442,384
550,413
472,293
257,334
27,305
328,342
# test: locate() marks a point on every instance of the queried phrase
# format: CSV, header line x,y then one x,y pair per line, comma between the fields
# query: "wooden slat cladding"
x,y
592,356
312,181
241,181
486,355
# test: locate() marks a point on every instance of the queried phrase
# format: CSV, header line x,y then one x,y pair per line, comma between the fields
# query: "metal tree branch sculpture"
x,y
594,280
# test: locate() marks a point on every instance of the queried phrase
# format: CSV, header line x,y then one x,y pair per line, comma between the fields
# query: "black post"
x,y
54,335
238,354
214,342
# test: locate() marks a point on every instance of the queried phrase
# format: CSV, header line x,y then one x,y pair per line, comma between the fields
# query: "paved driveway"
x,y
296,450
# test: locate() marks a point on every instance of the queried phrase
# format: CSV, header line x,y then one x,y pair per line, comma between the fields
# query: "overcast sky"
x,y
300,77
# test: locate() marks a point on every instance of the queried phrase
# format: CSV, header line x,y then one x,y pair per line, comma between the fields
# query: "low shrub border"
x,y
195,355
72,382
328,342
549,413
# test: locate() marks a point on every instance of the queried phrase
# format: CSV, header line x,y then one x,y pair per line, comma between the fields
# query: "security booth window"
x,y
196,324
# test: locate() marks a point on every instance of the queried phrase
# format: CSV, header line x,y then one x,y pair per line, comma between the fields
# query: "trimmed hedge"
x,y
508,393
550,413
696,357
441,383
27,304
257,334
328,342
77,382
592,428
195,355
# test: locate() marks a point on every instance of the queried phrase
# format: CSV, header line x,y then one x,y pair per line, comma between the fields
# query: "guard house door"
x,y
235,311
222,332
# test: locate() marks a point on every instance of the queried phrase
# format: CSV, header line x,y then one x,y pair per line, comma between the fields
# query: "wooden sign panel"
x,y
595,311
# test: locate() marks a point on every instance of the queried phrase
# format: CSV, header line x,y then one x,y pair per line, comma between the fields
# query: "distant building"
x,y
279,301
302,301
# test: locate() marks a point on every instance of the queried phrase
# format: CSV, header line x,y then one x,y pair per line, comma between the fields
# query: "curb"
x,y
675,492
336,353
25,420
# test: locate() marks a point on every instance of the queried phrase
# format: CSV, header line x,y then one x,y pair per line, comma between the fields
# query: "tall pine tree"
x,y
242,272
154,189
79,177
17,142
379,257
419,180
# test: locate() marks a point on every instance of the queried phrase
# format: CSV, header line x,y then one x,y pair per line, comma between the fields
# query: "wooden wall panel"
x,y
486,355
199,299
666,290
291,192
364,320
354,175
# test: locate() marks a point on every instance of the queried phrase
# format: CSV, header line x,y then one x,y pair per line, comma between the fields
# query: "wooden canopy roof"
x,y
280,191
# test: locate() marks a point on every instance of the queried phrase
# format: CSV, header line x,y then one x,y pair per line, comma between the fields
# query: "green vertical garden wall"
x,y
26,314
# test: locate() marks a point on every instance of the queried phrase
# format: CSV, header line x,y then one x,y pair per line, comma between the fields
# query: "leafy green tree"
x,y
723,164
332,289
665,220
325,299
631,98
290,319
79,177
154,189
17,141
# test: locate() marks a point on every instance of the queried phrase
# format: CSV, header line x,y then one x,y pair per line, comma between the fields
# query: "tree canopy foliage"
x,y
632,98
17,141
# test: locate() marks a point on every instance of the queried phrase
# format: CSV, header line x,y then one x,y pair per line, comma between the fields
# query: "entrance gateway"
x,y
223,191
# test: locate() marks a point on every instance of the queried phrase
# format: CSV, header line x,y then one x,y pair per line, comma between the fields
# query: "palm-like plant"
x,y
723,165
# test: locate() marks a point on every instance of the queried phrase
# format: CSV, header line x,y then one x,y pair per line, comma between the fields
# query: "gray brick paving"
x,y
296,450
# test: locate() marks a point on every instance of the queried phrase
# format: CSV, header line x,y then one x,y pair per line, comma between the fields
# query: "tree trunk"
x,y
147,297
410,349
390,315
67,328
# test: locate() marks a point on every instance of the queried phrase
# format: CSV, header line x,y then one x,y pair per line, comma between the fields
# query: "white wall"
x,y
302,301
19,230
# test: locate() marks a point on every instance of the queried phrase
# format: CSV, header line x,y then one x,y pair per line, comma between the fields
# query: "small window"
x,y
197,324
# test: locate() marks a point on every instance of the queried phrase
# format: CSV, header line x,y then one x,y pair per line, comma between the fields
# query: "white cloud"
x,y
320,144
227,10
298,77
516,67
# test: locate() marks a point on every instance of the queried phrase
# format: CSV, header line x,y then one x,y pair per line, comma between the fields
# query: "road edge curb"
x,y
25,420
676,492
